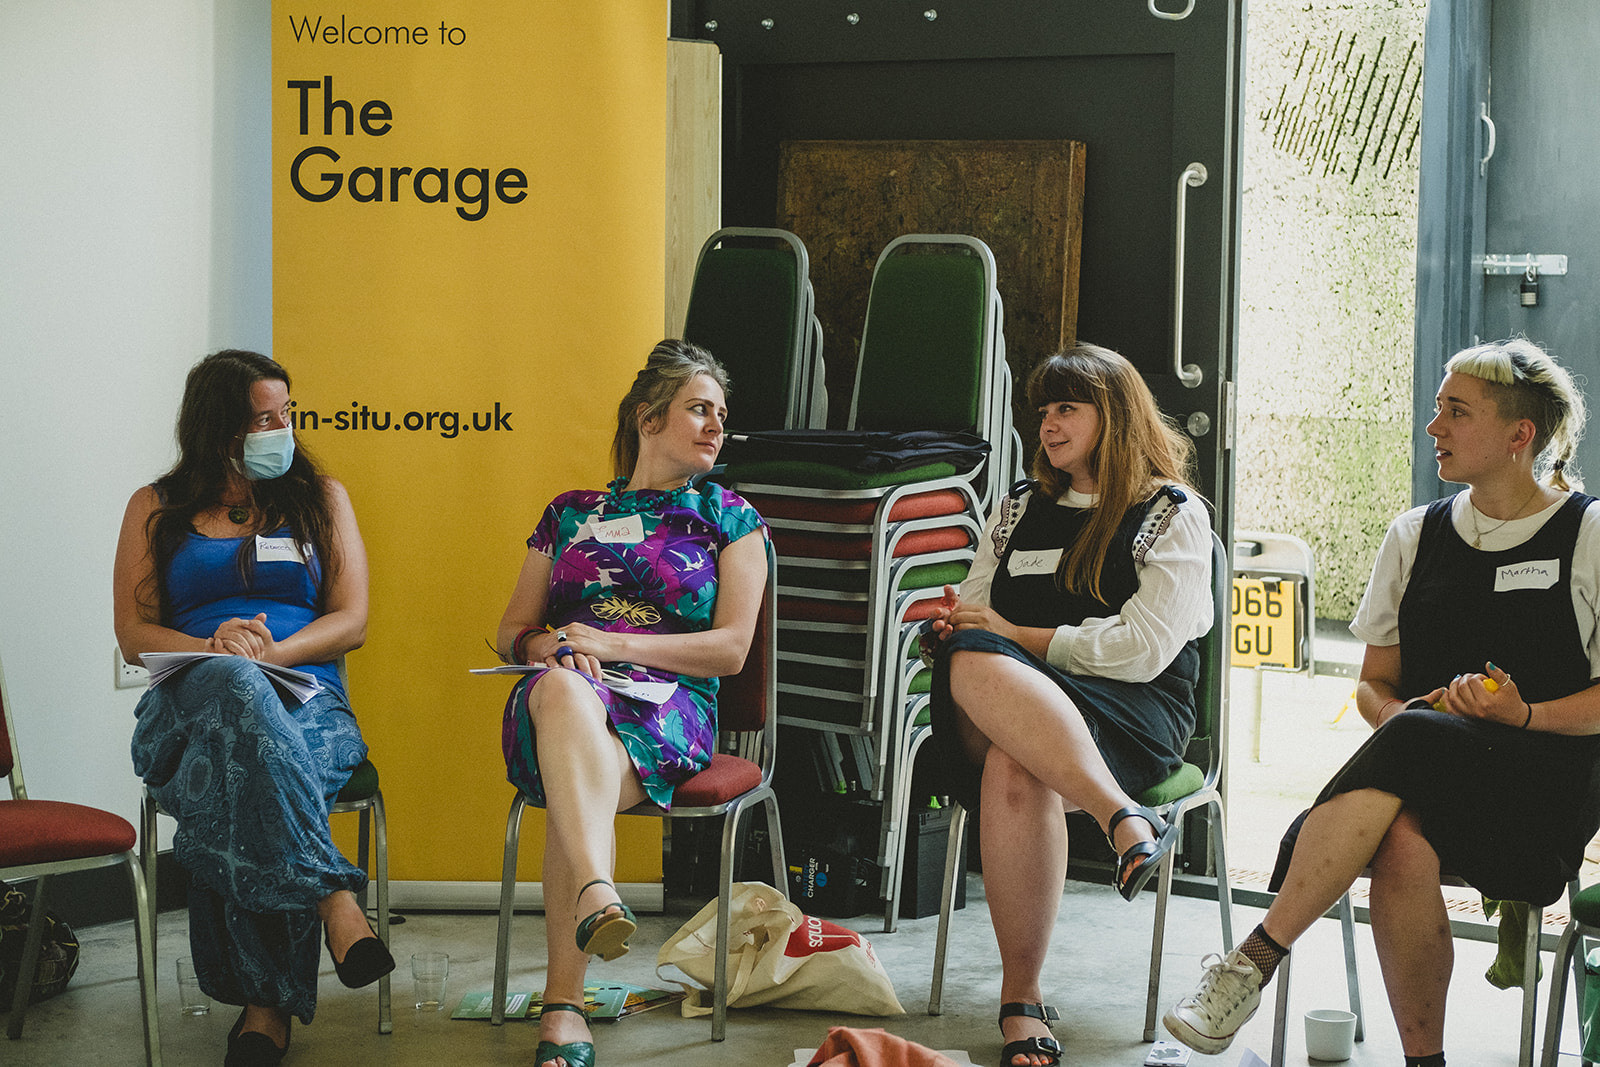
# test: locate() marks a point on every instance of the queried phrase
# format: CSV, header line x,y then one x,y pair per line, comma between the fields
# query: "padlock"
x,y
1530,288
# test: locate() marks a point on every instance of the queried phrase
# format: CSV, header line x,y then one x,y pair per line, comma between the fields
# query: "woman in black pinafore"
x,y
1065,670
1480,624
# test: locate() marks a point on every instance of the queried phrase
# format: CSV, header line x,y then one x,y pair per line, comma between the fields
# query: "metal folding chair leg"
x,y
952,860
1219,857
508,890
380,832
30,959
1347,925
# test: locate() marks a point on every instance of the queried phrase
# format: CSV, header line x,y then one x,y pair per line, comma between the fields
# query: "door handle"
x,y
1189,374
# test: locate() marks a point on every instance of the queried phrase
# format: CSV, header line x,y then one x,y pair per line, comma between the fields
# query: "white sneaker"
x,y
1225,999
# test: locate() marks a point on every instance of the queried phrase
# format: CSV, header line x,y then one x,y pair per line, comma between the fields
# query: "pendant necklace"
x,y
1477,534
238,514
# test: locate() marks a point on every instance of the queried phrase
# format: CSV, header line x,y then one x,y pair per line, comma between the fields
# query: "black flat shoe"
x,y
1141,860
1047,1047
365,962
253,1048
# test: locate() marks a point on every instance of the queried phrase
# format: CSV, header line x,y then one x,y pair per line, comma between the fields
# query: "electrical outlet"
x,y
129,676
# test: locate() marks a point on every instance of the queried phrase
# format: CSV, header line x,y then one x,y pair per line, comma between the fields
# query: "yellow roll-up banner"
x,y
467,247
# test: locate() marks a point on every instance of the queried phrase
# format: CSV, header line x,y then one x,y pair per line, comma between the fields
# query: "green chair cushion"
x,y
934,575
362,785
1180,783
804,475
1586,906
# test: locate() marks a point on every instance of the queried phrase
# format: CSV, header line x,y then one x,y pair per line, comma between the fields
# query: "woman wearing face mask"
x,y
246,549
657,577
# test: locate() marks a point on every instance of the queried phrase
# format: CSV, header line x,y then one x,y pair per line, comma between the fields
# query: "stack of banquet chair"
x,y
863,557
752,306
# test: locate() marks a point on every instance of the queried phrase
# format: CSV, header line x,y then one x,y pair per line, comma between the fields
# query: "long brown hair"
x,y
1138,450
214,411
672,364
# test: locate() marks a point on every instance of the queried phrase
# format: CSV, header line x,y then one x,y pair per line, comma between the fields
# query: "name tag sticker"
x,y
278,550
1041,562
624,531
1534,574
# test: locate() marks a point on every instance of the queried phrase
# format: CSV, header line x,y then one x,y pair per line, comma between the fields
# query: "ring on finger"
x,y
564,650
561,636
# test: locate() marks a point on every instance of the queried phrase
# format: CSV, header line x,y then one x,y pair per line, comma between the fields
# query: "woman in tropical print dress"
x,y
634,599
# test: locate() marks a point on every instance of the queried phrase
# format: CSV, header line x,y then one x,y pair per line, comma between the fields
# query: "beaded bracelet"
x,y
516,644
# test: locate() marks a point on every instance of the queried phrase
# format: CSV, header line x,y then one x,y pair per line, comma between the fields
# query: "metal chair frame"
x,y
1347,925
760,747
807,396
1567,954
41,873
373,830
1207,798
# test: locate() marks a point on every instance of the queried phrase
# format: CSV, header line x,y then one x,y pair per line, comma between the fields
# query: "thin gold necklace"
x,y
1477,534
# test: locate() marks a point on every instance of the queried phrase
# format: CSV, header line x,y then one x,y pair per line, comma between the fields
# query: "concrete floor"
x,y
1096,977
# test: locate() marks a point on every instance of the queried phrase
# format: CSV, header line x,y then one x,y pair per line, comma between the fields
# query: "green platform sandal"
x,y
576,1053
605,934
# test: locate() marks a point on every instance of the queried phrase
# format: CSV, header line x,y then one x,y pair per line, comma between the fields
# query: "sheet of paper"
x,y
654,692
161,665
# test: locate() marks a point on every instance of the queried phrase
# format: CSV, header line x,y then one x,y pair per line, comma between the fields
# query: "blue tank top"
x,y
205,588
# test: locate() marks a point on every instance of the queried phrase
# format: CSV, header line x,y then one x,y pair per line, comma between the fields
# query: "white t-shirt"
x,y
1171,606
1377,620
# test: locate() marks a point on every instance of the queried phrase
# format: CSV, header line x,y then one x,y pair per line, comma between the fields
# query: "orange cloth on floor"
x,y
849,1047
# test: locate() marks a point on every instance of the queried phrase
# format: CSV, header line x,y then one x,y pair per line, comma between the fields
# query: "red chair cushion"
x,y
803,609
915,506
40,831
726,778
859,546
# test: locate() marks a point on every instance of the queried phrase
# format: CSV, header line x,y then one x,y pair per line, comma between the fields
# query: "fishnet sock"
x,y
1264,952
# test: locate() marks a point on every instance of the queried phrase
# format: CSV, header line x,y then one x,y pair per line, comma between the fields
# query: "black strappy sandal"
x,y
1141,860
1048,1047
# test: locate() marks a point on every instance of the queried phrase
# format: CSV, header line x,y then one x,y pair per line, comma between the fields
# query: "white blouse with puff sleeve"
x,y
1171,606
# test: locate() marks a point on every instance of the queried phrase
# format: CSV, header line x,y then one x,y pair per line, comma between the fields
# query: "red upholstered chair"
x,y
42,838
739,776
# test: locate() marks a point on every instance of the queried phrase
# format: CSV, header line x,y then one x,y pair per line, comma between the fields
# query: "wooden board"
x,y
694,166
847,199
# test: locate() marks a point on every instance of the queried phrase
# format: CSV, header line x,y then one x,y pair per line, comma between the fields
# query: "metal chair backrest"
x,y
1210,742
748,307
10,757
927,345
747,702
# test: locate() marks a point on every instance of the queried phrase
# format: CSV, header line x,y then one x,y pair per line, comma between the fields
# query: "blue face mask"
x,y
268,454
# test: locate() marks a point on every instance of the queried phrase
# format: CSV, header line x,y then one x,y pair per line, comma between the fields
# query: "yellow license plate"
x,y
1266,628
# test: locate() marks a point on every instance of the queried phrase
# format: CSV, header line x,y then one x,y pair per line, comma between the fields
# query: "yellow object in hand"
x,y
1488,683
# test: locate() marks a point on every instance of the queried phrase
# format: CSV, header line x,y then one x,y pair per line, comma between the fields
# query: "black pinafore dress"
x,y
1140,728
1507,809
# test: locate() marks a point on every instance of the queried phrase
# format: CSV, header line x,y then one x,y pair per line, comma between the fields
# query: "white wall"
x,y
135,226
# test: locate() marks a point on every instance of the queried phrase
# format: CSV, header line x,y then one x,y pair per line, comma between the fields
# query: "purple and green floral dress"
x,y
635,562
